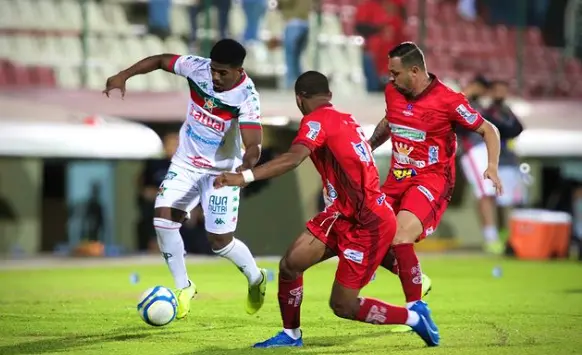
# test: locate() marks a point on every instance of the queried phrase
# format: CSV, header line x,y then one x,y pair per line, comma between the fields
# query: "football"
x,y
157,306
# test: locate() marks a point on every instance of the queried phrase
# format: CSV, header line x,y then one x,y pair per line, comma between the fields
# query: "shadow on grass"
x,y
315,344
67,343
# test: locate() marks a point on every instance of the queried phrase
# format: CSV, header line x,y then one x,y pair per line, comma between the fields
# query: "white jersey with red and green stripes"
x,y
210,138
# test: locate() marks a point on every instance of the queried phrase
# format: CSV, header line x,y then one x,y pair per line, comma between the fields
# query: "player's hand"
x,y
117,81
228,179
492,174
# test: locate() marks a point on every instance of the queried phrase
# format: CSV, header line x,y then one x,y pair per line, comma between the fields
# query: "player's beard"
x,y
404,91
301,107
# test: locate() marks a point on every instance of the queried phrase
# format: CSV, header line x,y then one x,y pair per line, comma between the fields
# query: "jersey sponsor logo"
x,y
401,155
466,114
433,154
401,174
314,129
363,151
190,132
354,255
206,120
217,204
425,192
405,132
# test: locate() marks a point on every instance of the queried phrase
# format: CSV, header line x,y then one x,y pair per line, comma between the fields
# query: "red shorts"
x,y
425,196
360,249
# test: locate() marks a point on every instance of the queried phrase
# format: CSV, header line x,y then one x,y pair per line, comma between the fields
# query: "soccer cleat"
x,y
426,288
184,297
279,341
256,295
495,248
425,328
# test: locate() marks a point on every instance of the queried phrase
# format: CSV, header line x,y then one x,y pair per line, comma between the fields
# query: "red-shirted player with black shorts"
x,y
421,113
358,226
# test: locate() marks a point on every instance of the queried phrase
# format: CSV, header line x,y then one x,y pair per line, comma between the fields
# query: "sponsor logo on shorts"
x,y
314,129
402,155
466,114
425,192
161,190
381,199
401,174
170,175
219,221
429,231
354,255
331,192
406,132
217,204
433,154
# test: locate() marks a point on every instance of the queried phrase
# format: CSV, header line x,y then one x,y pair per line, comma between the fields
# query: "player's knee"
x,y
405,236
288,269
343,307
219,241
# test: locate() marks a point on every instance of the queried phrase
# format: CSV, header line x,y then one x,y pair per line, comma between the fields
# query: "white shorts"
x,y
184,189
474,164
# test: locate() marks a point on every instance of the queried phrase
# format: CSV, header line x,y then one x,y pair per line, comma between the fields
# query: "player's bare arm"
x,y
278,166
380,135
144,66
252,139
491,138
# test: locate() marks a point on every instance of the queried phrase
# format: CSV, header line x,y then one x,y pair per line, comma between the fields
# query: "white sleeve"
x,y
249,116
183,65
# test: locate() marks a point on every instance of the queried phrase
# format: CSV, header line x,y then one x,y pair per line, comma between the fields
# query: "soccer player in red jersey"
x,y
421,114
358,226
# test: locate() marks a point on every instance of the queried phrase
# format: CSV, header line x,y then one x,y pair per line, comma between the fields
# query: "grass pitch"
x,y
533,308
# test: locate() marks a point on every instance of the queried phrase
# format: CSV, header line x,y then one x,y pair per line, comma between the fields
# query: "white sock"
x,y
172,248
413,318
237,252
490,233
293,333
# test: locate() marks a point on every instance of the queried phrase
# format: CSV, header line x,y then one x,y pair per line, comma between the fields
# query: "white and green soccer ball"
x,y
157,306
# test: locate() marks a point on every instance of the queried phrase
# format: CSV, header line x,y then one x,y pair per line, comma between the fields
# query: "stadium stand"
x,y
40,45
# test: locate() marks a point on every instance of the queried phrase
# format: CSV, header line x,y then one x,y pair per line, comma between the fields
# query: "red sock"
x,y
290,297
408,271
377,312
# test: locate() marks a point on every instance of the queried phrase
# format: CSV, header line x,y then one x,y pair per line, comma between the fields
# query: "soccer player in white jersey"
x,y
224,107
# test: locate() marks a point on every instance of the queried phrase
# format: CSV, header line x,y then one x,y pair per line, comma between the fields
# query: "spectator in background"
x,y
467,9
474,159
223,9
296,16
380,22
254,11
159,17
389,37
150,180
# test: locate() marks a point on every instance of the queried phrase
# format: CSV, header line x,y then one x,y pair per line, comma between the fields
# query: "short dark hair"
x,y
409,53
311,83
228,52
482,80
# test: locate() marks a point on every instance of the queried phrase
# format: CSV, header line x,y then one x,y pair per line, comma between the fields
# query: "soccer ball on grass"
x,y
157,306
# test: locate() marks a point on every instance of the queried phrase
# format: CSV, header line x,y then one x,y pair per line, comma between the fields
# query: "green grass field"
x,y
534,308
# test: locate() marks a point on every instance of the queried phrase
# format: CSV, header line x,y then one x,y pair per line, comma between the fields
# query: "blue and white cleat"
x,y
278,341
425,328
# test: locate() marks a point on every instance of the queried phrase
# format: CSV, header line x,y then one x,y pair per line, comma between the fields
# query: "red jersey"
x,y
422,129
344,160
